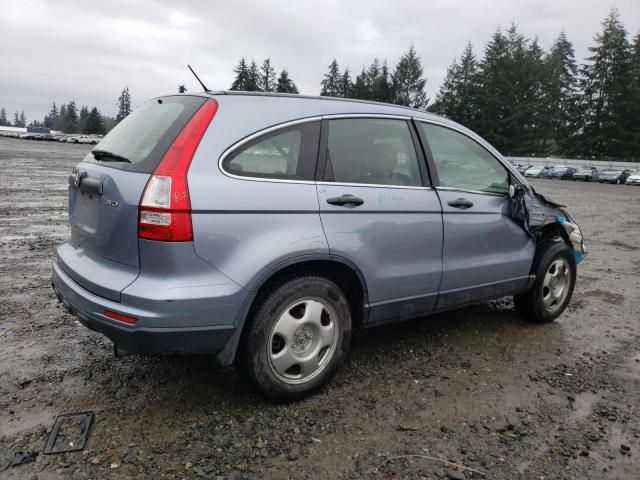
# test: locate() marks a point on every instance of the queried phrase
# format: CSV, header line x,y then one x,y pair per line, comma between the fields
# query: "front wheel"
x,y
299,335
555,270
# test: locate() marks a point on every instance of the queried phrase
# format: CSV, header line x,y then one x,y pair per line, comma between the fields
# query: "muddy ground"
x,y
478,387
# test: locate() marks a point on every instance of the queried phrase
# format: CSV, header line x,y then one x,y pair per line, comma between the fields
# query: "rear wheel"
x,y
299,335
555,270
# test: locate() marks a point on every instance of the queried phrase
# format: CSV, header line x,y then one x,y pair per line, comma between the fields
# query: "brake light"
x,y
165,207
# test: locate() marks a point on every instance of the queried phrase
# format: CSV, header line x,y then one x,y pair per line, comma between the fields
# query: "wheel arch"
x,y
338,269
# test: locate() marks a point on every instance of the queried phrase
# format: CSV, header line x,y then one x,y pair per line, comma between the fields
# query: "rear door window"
x,y
146,133
377,151
286,154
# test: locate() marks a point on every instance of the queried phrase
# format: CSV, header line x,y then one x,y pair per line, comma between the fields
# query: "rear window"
x,y
145,135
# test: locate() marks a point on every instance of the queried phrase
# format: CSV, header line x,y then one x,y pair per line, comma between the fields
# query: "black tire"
x,y
258,342
530,304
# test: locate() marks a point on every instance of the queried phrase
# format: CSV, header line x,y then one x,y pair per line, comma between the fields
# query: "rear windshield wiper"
x,y
105,156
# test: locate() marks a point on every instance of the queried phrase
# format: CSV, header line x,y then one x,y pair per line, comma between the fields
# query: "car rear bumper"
x,y
142,338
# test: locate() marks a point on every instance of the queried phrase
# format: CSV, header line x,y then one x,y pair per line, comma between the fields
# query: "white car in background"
x,y
93,140
634,178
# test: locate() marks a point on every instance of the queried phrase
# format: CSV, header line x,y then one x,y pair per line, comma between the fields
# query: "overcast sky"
x,y
88,50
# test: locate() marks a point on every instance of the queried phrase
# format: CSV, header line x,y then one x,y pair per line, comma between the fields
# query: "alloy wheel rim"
x,y
303,340
555,286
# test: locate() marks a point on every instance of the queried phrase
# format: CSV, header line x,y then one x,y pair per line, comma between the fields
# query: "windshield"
x,y
144,135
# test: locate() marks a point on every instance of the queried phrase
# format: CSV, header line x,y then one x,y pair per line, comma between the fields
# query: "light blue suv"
x,y
266,228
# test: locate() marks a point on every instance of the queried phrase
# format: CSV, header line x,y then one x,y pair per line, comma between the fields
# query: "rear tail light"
x,y
165,208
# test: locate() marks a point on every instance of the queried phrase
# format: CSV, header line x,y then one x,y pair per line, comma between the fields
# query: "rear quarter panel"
x,y
245,228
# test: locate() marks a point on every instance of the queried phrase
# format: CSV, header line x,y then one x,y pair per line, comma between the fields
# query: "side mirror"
x,y
515,190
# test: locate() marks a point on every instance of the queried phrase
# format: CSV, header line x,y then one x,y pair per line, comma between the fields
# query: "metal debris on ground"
x,y
18,458
69,432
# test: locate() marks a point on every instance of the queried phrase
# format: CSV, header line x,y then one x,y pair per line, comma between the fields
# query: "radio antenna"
x,y
198,78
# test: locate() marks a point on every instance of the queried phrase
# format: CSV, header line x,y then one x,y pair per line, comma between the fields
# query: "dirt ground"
x,y
479,387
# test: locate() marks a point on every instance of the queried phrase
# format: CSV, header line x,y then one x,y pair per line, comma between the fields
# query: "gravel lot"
x,y
478,387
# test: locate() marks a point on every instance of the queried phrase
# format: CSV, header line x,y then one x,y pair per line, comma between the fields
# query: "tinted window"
x,y
289,153
145,134
463,163
371,151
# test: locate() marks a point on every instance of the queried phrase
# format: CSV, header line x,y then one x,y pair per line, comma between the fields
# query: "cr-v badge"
x,y
111,203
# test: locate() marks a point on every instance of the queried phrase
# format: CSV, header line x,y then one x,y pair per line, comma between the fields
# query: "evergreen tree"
x,y
82,119
51,117
23,119
16,119
634,116
408,82
383,87
510,94
241,80
458,95
94,123
71,118
285,84
253,78
58,123
124,105
606,92
182,89
3,116
346,85
560,110
267,77
360,89
331,81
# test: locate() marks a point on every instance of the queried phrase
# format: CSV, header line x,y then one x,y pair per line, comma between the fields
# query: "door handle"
x,y
460,203
345,200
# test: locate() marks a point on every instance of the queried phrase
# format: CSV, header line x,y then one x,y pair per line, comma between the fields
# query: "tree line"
x,y
69,118
524,100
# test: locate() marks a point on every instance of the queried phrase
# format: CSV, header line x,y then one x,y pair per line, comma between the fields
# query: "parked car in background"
x,y
523,168
634,178
587,174
536,171
614,176
561,173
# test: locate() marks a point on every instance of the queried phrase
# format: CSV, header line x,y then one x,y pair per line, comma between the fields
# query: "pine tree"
x,y
285,84
124,105
94,123
408,82
23,119
51,117
182,89
82,119
71,118
634,117
253,78
267,77
560,110
510,94
606,93
241,80
16,119
331,81
382,87
346,85
458,95
3,116
58,123
360,89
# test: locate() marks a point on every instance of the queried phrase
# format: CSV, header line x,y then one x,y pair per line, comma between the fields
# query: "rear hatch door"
x,y
105,191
